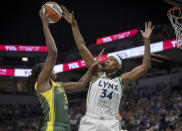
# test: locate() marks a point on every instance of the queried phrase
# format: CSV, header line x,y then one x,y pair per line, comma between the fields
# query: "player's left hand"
x,y
69,17
148,30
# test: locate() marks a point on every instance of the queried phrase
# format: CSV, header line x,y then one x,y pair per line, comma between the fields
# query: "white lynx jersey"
x,y
103,98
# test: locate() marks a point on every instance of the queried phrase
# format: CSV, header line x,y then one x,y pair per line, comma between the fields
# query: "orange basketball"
x,y
53,11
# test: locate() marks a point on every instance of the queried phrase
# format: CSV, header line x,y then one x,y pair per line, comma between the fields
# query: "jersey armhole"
x,y
43,93
122,86
35,86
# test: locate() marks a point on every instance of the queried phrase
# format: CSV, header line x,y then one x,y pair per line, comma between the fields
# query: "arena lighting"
x,y
23,48
103,40
125,54
25,59
115,37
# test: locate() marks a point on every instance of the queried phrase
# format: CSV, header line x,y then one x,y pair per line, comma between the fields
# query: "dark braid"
x,y
31,82
33,77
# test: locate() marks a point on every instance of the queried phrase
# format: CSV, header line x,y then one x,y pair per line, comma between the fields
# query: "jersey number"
x,y
105,94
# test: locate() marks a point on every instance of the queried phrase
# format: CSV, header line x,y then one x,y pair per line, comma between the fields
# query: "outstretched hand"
x,y
148,30
69,17
43,17
98,60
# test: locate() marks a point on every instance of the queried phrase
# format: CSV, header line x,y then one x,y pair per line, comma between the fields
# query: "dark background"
x,y
20,23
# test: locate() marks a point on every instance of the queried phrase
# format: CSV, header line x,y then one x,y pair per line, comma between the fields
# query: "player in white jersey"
x,y
106,84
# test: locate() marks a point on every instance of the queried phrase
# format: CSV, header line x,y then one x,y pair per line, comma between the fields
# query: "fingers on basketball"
x,y
62,7
41,12
44,13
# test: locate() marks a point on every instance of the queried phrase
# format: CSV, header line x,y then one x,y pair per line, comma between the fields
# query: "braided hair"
x,y
33,77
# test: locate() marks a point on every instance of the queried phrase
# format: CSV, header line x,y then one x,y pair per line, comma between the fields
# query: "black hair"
x,y
33,77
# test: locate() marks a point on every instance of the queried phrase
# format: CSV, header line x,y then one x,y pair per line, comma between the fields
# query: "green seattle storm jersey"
x,y
54,104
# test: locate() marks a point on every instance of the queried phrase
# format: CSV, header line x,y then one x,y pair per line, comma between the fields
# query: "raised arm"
x,y
146,63
80,43
43,78
81,84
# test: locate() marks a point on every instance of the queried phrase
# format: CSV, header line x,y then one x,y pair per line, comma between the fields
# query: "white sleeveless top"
x,y
103,97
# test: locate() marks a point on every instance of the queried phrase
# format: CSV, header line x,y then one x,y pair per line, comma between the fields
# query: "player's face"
x,y
53,75
112,64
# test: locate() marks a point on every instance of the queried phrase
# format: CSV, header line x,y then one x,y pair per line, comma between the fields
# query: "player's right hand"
x,y
43,17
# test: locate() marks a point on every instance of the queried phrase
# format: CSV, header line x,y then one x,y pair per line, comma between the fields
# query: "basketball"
x,y
53,11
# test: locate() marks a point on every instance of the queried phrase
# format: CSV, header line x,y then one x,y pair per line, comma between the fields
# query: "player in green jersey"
x,y
52,96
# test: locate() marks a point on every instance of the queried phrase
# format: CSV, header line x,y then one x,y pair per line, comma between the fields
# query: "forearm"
x,y
51,58
147,55
80,43
51,46
85,79
80,85
77,36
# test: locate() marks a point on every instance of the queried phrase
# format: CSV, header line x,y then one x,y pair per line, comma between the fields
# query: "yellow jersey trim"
x,y
49,96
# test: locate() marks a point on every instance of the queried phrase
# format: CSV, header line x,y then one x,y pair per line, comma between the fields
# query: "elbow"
x,y
81,85
54,52
147,67
52,56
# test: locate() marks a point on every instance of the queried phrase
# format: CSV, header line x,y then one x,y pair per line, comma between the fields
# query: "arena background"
x,y
154,101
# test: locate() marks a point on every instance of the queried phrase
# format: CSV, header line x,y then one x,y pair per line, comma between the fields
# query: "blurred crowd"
x,y
154,108
20,118
143,109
